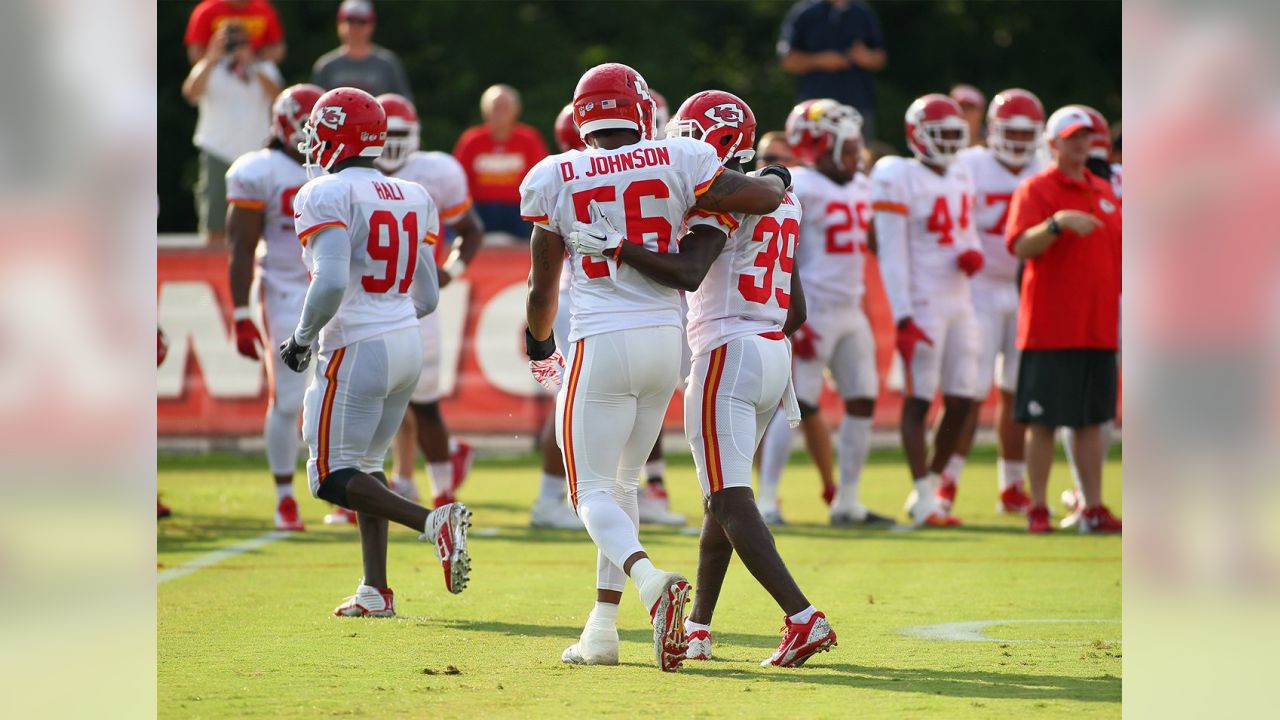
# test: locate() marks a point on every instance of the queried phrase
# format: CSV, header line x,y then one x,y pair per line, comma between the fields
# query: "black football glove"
x,y
296,356
781,171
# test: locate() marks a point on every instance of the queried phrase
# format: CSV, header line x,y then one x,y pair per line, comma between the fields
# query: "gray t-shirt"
x,y
380,72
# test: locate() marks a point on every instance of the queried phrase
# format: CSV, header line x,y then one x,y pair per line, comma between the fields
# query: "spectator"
x,y
496,156
233,90
1064,222
973,105
258,18
833,47
358,63
774,149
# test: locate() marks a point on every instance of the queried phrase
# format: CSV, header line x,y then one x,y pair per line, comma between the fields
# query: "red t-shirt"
x,y
1071,293
257,16
495,169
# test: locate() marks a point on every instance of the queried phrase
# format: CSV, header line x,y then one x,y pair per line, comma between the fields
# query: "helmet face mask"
x,y
290,111
822,127
1015,127
402,132
936,129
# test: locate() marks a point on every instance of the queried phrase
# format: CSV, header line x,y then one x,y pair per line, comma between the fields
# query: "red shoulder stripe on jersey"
x,y
326,412
249,203
706,185
453,213
724,218
710,438
571,392
886,206
305,235
535,218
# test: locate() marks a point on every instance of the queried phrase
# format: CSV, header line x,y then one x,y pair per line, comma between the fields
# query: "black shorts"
x,y
1071,388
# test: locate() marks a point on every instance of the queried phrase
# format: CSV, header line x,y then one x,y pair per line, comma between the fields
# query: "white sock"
x,y
453,445
803,616
552,487
284,491
1010,472
441,475
603,615
642,570
774,451
1068,437
854,446
655,469
280,431
611,530
404,480
955,466
926,485
690,626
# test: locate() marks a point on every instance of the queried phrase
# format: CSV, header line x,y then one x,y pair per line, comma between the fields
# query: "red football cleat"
x,y
828,494
461,459
443,499
802,641
1014,500
1099,520
1038,520
287,515
946,493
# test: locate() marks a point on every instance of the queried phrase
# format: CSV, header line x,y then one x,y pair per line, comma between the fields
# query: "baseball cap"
x,y
968,95
358,9
1065,121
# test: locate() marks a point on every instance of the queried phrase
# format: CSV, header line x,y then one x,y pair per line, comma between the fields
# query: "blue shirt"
x,y
815,26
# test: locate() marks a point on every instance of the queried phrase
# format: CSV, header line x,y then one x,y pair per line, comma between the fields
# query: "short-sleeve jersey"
x,y
993,185
645,189
833,238
747,290
387,220
269,180
938,210
445,181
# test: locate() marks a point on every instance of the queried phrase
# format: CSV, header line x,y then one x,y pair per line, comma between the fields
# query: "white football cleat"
x,y
447,527
596,646
341,516
666,594
554,514
802,641
699,645
405,488
927,510
655,507
368,601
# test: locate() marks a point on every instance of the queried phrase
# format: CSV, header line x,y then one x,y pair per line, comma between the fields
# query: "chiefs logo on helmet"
x,y
725,115
332,116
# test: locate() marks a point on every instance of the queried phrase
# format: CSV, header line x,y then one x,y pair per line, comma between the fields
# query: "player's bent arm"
x,y
426,282
546,253
470,230
891,237
798,311
244,231
685,270
330,266
735,192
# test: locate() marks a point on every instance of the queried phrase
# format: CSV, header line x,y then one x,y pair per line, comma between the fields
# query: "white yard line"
x,y
975,631
217,556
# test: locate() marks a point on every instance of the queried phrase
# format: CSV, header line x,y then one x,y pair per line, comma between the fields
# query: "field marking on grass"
x,y
974,630
217,556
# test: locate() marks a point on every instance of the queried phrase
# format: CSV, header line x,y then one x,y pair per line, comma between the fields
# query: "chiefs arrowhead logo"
x,y
725,115
331,116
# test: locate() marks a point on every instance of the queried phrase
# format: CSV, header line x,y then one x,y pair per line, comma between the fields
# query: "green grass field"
x,y
253,635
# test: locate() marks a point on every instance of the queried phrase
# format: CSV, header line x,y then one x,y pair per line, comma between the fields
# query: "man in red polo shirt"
x,y
257,17
496,156
1064,222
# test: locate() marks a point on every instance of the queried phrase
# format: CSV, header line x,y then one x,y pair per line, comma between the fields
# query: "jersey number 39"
x,y
779,249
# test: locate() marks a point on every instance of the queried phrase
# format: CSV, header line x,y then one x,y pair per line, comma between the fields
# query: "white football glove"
x,y
599,238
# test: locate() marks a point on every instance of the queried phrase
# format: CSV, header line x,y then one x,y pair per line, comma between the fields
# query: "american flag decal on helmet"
x,y
608,104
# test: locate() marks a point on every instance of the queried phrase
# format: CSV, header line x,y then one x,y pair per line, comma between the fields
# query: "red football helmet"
x,y
402,132
344,123
719,119
661,113
936,129
1016,110
815,127
566,132
290,111
1100,141
610,96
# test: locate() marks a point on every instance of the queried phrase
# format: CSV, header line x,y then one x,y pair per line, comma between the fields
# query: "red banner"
x,y
206,388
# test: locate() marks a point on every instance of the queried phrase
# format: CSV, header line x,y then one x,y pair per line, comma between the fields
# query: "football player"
x,y
625,332
1015,124
367,241
266,264
448,460
928,251
743,301
827,137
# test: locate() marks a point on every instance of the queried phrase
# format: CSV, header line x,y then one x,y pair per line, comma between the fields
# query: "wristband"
x,y
781,171
241,313
1054,227
538,349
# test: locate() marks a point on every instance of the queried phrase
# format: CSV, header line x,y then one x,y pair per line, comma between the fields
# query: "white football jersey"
x,y
938,227
268,180
389,220
645,189
747,291
833,237
993,185
446,183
